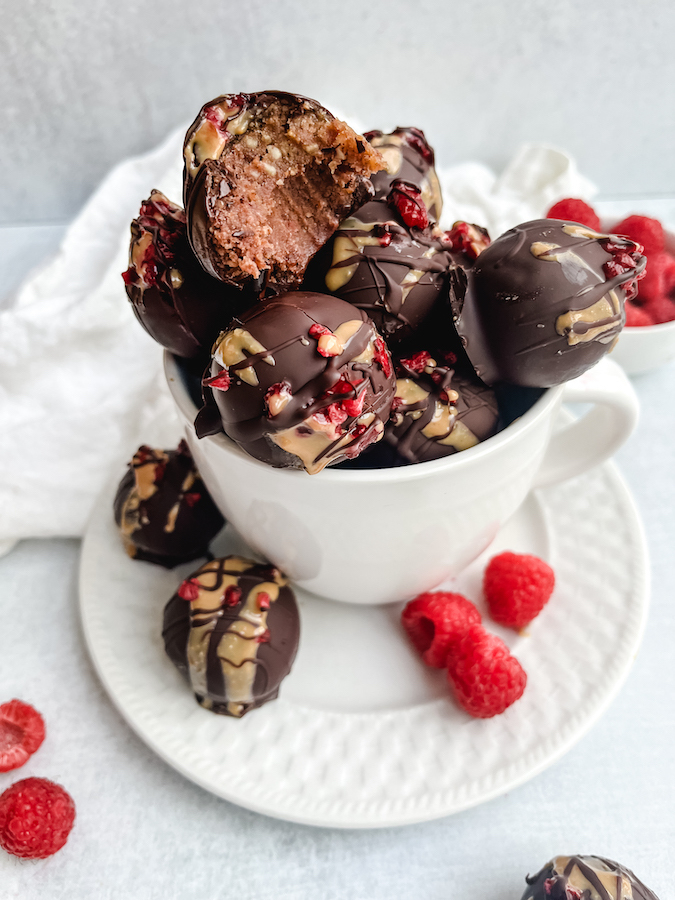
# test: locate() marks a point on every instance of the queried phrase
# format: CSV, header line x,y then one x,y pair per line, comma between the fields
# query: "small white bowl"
x,y
641,349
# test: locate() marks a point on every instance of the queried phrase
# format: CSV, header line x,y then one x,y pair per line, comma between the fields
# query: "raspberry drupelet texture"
x,y
643,230
517,586
435,621
22,730
36,817
576,211
485,678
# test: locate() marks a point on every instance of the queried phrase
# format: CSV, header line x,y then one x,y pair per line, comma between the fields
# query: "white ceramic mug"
x,y
380,535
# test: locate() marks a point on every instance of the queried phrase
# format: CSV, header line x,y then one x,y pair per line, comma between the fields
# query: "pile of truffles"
x,y
309,280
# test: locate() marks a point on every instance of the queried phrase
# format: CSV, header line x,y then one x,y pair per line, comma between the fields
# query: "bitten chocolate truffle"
x,y
410,158
585,878
545,301
177,303
396,274
303,380
437,411
163,510
232,629
268,177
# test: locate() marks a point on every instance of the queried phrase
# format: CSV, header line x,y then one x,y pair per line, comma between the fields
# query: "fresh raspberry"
x,y
36,817
637,316
646,231
669,274
661,309
653,285
575,211
484,676
517,586
434,622
22,730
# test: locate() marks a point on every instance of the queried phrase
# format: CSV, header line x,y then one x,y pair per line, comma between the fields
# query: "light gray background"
x,y
84,84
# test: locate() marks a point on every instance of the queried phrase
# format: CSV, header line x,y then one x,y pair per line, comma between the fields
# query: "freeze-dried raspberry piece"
x,y
435,620
575,211
407,199
22,730
517,586
646,231
485,678
637,316
36,817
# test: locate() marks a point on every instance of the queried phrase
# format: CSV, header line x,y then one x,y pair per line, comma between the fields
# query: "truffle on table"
x,y
163,509
545,301
586,878
395,273
268,177
437,411
410,158
177,303
303,380
232,629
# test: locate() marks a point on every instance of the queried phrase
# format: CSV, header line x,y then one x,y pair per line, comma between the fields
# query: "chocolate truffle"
x,y
545,301
303,380
177,303
268,178
394,273
232,629
437,411
586,878
163,510
409,158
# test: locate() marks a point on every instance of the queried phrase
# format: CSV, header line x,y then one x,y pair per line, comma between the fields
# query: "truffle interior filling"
x,y
281,189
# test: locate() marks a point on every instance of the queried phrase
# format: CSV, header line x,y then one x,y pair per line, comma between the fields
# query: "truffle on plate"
x,y
177,303
437,411
232,629
585,878
545,301
268,177
163,510
302,380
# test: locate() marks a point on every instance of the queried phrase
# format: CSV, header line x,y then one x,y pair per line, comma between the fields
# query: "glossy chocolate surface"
x,y
163,510
586,878
177,303
232,629
545,301
303,380
437,411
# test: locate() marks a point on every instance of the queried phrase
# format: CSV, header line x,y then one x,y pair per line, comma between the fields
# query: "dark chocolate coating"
x,y
543,303
382,252
208,183
175,520
410,158
426,391
177,303
554,884
271,641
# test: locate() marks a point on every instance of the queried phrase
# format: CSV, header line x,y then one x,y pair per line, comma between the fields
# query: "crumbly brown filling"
x,y
280,190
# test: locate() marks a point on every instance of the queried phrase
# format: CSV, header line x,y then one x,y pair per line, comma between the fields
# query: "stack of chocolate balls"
x,y
308,277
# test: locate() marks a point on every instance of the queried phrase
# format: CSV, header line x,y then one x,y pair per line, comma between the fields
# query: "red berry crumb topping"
x,y
407,199
232,595
484,676
418,362
36,817
22,730
220,382
517,586
574,210
382,357
435,621
189,590
466,238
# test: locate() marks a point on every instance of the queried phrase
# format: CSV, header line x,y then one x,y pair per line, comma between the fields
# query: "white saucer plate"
x,y
363,735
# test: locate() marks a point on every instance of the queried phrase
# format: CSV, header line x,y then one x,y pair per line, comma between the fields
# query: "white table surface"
x,y
143,831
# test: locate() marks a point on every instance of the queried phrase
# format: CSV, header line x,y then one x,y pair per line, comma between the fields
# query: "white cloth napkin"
x,y
81,384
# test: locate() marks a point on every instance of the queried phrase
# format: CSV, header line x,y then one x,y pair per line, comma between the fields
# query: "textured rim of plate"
x,y
627,548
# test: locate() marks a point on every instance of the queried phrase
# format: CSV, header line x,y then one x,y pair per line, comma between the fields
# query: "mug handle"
x,y
593,438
